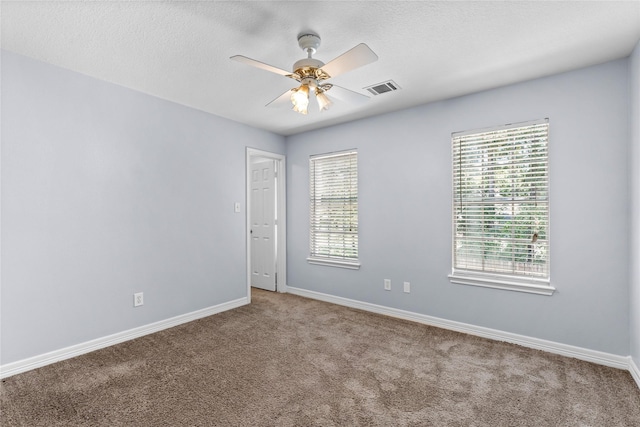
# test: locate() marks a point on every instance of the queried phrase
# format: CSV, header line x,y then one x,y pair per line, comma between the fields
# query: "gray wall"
x,y
405,209
634,117
107,192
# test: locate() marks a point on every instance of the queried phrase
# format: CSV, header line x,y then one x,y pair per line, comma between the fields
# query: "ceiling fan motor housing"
x,y
307,63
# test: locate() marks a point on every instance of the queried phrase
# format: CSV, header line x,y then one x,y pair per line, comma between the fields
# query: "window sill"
x,y
509,283
352,265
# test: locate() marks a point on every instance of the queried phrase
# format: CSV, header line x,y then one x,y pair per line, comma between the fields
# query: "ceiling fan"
x,y
312,75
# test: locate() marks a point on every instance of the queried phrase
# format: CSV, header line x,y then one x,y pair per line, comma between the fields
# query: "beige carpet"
x,y
291,361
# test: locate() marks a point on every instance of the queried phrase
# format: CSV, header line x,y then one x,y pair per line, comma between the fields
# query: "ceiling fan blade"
x,y
282,101
347,95
260,65
351,59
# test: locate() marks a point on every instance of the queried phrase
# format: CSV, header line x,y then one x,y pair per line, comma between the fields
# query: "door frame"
x,y
281,215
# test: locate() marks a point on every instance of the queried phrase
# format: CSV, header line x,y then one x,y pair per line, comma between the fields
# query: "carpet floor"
x,y
284,360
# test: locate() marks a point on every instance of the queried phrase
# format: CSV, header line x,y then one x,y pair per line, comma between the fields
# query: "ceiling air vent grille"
x,y
380,88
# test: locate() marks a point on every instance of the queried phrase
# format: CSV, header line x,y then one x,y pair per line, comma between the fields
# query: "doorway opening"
x,y
266,221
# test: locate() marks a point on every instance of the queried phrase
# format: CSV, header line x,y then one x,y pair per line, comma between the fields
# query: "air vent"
x,y
380,88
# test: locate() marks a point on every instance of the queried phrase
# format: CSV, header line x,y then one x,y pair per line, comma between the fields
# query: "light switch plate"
x,y
138,299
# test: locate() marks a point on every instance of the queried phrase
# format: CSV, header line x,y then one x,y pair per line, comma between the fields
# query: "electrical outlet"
x,y
138,299
387,284
407,287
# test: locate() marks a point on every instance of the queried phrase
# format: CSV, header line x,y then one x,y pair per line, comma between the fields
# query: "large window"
x,y
501,207
334,209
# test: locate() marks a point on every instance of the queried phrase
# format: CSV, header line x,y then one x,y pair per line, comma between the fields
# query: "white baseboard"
x,y
601,358
635,371
30,363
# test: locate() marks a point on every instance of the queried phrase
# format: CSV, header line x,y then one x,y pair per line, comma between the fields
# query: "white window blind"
x,y
501,205
334,207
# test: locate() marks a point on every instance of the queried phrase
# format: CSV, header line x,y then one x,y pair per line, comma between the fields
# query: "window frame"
x,y
333,261
491,278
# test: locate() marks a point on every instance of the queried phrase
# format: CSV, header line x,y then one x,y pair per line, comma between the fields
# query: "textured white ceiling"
x,y
179,50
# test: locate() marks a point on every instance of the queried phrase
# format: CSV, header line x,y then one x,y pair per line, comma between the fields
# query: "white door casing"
x,y
263,224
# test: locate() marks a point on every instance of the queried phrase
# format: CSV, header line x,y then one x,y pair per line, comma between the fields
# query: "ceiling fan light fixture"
x,y
323,100
300,99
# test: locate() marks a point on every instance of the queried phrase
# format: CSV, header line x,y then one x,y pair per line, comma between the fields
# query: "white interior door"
x,y
263,224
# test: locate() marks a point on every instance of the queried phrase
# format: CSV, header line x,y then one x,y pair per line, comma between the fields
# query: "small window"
x,y
334,209
501,208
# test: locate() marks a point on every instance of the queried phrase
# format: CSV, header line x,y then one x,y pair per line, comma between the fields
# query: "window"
x,y
334,209
501,208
